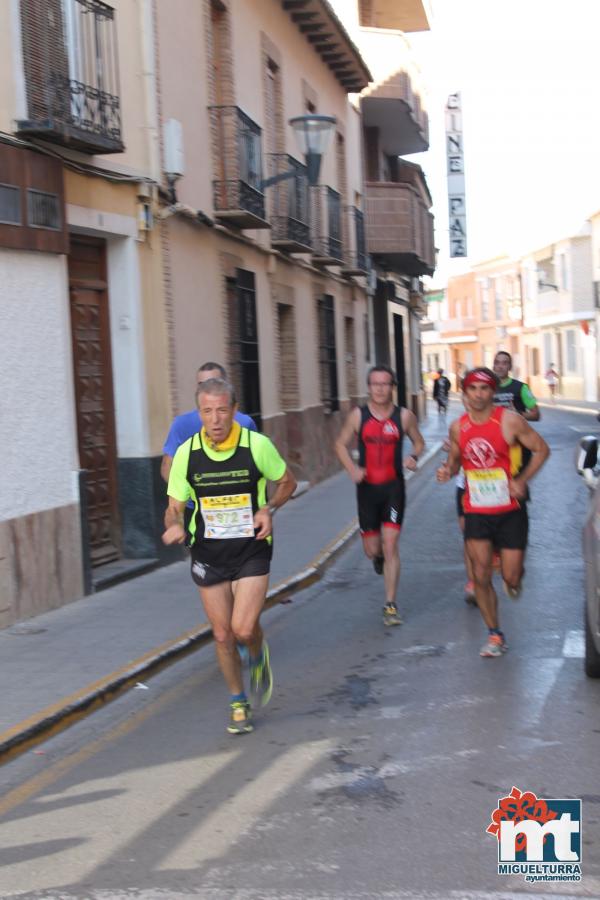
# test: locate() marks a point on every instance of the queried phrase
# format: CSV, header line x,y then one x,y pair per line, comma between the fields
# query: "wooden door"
x,y
94,394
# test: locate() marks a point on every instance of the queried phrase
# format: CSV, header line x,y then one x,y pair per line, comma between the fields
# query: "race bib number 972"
x,y
227,517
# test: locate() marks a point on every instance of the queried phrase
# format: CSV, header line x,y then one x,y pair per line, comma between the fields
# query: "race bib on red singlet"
x,y
488,488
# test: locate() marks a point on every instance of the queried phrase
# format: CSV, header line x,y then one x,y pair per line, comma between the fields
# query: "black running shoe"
x,y
378,564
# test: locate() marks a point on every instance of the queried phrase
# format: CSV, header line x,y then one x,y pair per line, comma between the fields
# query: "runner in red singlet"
x,y
380,427
494,499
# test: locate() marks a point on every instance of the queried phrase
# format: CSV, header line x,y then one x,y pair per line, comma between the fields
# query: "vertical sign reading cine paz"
x,y
457,210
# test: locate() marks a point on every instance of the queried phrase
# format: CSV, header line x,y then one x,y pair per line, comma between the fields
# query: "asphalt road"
x,y
376,767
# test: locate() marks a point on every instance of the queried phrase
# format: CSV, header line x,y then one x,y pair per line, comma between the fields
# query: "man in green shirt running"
x,y
513,394
224,470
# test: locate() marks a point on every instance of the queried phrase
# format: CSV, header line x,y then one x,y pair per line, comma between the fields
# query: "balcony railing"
x,y
466,323
399,228
355,257
288,206
71,74
326,225
237,166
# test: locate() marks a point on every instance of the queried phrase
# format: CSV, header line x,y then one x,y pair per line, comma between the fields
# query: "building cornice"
x,y
321,27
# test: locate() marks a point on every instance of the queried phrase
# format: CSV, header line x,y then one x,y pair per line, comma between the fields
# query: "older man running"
x,y
224,469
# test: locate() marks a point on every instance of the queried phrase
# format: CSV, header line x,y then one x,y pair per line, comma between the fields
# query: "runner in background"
x,y
380,427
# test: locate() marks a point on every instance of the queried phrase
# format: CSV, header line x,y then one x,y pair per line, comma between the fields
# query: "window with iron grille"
x,y
10,205
244,343
43,210
350,357
571,348
498,298
288,357
327,353
484,287
548,352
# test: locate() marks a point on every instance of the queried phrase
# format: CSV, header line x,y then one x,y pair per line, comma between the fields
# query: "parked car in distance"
x,y
588,468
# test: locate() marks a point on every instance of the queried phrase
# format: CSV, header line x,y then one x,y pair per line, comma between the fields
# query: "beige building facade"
x,y
75,162
142,234
398,221
273,284
559,317
542,308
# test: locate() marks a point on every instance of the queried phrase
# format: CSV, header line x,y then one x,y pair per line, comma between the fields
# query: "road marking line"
x,y
574,645
219,830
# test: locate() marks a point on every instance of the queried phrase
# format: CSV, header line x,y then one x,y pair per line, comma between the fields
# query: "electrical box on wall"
x,y
173,147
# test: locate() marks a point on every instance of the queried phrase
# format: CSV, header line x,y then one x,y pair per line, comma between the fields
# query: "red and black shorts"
x,y
380,505
256,561
506,531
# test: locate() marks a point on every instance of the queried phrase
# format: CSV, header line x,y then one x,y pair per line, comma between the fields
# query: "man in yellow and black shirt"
x,y
224,470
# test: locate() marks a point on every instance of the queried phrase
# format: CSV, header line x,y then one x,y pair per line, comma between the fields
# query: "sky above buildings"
x,y
528,73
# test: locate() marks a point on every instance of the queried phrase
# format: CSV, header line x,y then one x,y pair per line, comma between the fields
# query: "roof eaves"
x,y
356,78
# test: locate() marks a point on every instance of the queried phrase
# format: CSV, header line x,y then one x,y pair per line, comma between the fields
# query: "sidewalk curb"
x,y
567,408
71,709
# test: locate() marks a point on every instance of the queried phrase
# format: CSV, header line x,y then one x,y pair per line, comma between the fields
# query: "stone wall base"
x,y
40,563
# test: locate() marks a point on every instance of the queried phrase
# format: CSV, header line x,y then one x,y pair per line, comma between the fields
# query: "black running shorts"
x,y
380,504
506,531
257,562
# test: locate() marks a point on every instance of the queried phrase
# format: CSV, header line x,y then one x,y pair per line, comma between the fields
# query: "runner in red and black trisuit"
x,y
380,426
494,502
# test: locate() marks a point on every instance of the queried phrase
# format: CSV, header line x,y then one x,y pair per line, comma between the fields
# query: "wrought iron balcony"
x,y
326,225
71,74
355,258
287,204
237,165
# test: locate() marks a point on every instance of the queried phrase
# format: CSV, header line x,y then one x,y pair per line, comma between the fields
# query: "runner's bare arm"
x,y
174,532
165,467
284,490
517,429
264,516
410,427
349,430
452,464
533,414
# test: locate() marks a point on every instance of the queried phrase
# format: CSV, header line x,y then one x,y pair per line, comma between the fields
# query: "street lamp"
x,y
313,134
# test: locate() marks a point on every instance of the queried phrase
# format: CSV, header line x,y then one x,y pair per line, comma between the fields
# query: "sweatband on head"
x,y
481,377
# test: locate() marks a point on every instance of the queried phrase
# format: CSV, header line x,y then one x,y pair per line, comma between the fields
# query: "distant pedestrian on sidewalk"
x,y
224,470
551,377
441,389
494,505
380,427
